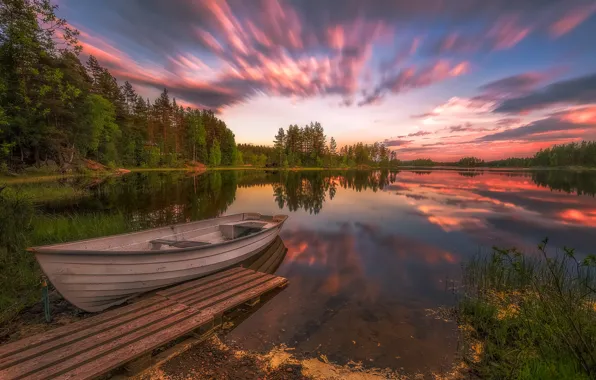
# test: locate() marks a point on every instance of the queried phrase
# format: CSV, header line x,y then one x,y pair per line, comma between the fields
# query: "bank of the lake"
x,y
55,175
529,316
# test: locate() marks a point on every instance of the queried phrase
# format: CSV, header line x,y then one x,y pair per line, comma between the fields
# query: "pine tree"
x,y
215,154
163,113
279,144
130,97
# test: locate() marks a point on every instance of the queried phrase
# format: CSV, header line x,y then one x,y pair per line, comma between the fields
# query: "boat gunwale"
x,y
48,250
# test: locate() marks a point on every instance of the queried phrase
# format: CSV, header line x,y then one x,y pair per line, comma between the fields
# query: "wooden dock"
x,y
128,335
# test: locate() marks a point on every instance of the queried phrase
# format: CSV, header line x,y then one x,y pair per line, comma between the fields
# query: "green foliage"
x,y
196,136
239,159
17,274
151,157
572,154
470,162
101,128
583,153
215,154
251,153
48,229
511,162
260,161
420,162
534,315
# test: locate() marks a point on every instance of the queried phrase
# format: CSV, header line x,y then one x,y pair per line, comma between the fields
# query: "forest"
x,y
56,109
572,154
308,147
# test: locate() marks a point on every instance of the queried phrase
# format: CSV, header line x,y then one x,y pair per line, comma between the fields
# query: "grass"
x,y
48,229
51,192
142,170
21,226
530,316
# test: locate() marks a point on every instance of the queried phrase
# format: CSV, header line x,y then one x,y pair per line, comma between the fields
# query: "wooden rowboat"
x,y
98,273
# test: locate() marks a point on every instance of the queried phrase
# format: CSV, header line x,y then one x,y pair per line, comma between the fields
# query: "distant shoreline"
x,y
35,177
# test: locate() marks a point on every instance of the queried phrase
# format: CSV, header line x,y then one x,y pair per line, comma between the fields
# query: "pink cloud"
x,y
507,32
583,115
572,19
336,37
293,50
410,78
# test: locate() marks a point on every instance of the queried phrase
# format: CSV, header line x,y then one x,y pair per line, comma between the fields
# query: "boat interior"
x,y
180,236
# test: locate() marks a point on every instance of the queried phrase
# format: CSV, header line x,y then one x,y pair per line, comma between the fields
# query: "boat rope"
x,y
45,299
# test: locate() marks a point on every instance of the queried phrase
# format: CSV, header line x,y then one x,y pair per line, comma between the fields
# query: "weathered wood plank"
x,y
199,296
211,285
50,359
114,358
72,339
126,352
204,302
23,344
124,345
247,294
201,281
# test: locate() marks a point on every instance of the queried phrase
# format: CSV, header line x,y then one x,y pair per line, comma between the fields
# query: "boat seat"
x,y
236,230
157,243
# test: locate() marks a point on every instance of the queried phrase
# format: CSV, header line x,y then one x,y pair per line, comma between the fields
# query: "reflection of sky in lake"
x,y
365,268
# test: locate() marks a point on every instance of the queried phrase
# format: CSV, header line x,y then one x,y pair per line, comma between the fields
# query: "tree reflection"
x,y
154,199
470,174
578,182
309,190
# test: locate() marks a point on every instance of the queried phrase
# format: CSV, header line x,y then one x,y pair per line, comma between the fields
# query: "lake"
x,y
370,254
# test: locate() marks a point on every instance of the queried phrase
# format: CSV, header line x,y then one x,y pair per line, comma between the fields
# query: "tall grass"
x,y
533,315
18,271
22,226
49,229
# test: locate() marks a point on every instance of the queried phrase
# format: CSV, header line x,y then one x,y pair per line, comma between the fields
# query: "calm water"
x,y
368,252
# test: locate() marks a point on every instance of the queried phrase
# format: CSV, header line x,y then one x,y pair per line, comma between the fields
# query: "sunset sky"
x,y
430,78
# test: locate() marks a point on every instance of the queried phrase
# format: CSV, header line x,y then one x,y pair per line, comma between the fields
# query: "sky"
x,y
436,79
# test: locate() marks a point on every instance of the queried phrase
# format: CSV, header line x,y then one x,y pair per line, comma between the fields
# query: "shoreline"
x,y
41,177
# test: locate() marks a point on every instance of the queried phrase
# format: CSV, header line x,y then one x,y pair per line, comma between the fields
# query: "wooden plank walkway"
x,y
128,335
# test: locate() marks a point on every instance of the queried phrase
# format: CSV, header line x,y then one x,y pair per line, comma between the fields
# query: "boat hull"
x,y
95,282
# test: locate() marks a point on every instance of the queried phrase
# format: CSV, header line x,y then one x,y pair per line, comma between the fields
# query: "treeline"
x,y
54,108
512,162
308,147
580,154
256,155
368,154
572,154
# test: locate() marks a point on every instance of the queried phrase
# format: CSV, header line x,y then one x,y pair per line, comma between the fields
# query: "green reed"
x,y
530,316
22,226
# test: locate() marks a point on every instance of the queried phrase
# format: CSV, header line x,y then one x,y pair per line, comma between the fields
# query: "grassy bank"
x,y
22,226
530,316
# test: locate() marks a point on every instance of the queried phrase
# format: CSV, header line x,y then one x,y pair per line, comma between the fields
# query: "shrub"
x,y
535,316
